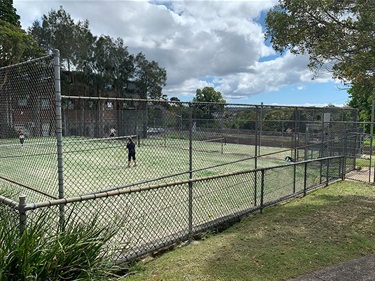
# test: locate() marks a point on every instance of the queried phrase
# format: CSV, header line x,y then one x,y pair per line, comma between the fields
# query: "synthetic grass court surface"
x,y
92,165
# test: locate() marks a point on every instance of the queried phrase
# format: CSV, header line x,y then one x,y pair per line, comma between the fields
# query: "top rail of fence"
x,y
211,103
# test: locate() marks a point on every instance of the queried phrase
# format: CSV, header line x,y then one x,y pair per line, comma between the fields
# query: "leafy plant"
x,y
77,253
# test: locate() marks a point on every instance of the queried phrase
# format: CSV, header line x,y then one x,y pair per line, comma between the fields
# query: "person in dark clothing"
x,y
21,137
130,146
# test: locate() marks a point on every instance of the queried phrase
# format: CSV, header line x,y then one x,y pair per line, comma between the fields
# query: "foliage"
x,y
8,13
212,102
208,94
59,31
150,77
15,45
112,62
362,95
74,254
340,33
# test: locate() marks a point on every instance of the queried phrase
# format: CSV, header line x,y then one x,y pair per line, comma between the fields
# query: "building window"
x,y
109,105
70,104
45,103
22,102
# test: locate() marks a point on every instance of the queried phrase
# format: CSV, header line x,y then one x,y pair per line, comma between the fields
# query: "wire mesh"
x,y
206,163
27,125
150,218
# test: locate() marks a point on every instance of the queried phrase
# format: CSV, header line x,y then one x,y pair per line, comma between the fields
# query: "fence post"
x,y
327,172
60,167
256,138
294,177
305,180
262,192
255,188
190,172
21,208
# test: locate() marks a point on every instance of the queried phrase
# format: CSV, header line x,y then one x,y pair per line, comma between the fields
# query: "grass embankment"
x,y
328,226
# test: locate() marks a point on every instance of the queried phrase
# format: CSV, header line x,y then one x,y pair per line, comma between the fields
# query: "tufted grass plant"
x,y
77,253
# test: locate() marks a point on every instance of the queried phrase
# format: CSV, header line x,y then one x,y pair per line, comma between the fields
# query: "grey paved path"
x,y
362,269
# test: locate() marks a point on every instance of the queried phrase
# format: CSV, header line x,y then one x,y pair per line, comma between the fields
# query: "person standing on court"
x,y
112,132
21,136
130,146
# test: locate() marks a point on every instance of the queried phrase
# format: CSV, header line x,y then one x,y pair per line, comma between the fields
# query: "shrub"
x,y
77,253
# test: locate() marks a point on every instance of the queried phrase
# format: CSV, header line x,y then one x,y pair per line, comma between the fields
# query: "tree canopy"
x,y
336,34
8,13
342,32
15,44
208,94
105,59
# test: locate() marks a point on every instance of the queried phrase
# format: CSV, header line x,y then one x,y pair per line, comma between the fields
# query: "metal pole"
x,y
327,172
190,172
60,166
260,128
372,125
262,192
305,180
256,138
21,208
372,113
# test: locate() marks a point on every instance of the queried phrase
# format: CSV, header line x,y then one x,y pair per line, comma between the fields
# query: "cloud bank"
x,y
199,43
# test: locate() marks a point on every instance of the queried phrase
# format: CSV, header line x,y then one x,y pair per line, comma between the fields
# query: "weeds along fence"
x,y
154,217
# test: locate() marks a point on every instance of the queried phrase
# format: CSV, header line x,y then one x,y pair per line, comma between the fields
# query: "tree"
x,y
8,13
361,98
112,62
150,77
59,31
339,32
15,45
209,102
208,94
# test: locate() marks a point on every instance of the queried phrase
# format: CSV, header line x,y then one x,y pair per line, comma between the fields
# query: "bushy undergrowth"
x,y
42,254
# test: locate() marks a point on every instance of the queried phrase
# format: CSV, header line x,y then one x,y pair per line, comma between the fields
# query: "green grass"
x,y
329,226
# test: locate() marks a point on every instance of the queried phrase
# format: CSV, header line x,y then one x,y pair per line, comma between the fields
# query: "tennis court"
x,y
91,165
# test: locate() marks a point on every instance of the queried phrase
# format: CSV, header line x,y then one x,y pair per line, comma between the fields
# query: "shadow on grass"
x,y
288,240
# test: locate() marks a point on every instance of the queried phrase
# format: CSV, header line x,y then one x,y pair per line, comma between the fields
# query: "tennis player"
x,y
130,146
21,136
112,132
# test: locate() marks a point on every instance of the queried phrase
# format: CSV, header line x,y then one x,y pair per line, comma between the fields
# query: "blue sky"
x,y
218,43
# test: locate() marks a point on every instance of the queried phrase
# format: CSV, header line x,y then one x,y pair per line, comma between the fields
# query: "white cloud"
x,y
199,43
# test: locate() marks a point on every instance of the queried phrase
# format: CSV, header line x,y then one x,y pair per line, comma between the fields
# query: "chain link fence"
x,y
158,216
198,164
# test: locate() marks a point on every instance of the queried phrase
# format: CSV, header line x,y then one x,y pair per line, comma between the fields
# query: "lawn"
x,y
329,226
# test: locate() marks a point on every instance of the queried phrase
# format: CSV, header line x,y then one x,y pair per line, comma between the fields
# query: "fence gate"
x,y
361,161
